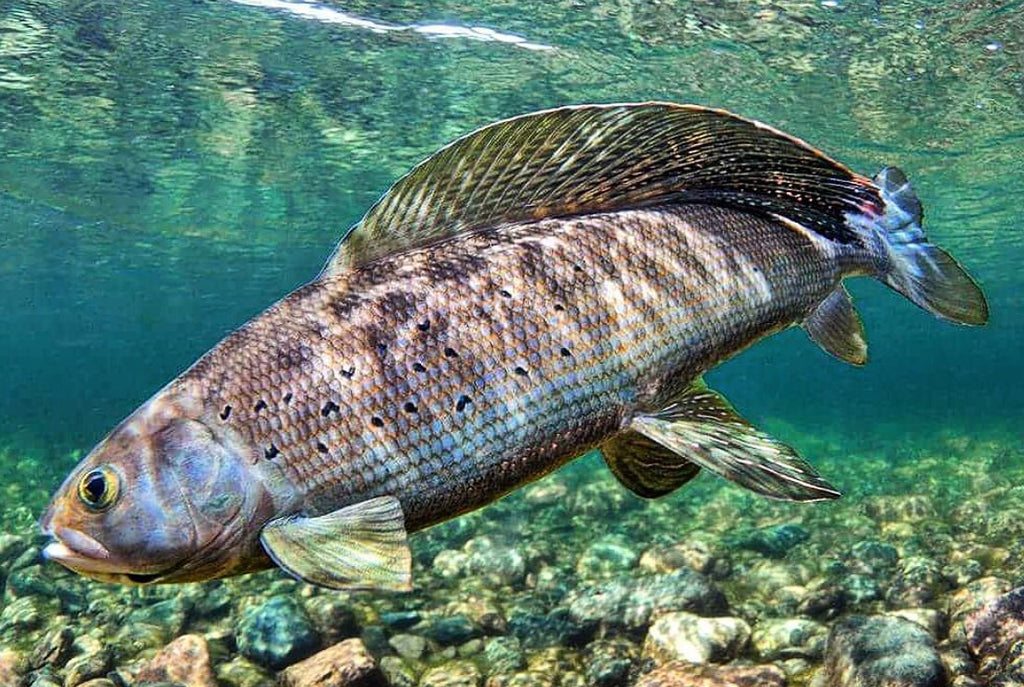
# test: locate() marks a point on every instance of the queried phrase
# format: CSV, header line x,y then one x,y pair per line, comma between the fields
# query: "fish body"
x,y
545,286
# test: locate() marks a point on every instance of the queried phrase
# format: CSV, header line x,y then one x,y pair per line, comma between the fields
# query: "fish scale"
x,y
546,285
624,355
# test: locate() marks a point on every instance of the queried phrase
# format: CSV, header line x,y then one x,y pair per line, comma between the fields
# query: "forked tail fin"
x,y
921,271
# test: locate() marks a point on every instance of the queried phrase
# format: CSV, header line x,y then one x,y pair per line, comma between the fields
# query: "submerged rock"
x,y
633,602
608,662
504,655
12,665
333,617
241,672
54,649
408,646
497,564
783,638
878,651
682,674
606,558
277,633
185,661
451,631
87,666
453,674
536,630
995,636
346,664
775,541
684,636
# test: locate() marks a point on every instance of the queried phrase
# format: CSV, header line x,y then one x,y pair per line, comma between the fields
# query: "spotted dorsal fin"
x,y
605,158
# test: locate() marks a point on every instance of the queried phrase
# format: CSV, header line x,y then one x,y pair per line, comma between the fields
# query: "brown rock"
x,y
681,674
12,664
186,661
347,664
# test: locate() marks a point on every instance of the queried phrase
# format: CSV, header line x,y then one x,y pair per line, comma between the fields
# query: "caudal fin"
x,y
921,271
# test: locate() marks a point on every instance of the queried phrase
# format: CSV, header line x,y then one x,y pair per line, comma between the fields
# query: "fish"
x,y
547,285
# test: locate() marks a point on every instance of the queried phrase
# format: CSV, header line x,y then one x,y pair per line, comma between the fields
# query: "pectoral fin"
x,y
836,327
362,546
702,427
645,467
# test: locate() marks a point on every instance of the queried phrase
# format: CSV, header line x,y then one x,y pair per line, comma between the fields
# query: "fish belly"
x,y
449,375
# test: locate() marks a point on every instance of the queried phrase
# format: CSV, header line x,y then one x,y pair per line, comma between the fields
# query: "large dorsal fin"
x,y
604,158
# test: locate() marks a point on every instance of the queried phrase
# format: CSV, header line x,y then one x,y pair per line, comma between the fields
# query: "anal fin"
x,y
645,467
362,546
835,326
700,426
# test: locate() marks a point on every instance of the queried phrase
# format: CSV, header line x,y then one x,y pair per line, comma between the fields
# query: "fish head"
x,y
164,498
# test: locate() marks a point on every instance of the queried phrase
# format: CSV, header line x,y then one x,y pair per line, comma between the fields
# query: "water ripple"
x,y
330,15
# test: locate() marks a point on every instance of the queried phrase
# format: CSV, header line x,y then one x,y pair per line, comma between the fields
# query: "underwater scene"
x,y
170,169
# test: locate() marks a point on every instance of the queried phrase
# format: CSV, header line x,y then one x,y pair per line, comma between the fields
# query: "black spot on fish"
x,y
565,352
226,413
419,367
260,405
376,421
347,374
521,371
329,407
463,401
505,293
288,397
451,352
576,267
559,307
382,347
409,407
423,326
271,452
321,447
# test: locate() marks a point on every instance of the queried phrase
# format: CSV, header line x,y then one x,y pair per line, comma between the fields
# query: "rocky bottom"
x,y
908,580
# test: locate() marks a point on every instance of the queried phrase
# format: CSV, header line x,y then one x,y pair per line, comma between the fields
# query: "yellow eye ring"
x,y
98,488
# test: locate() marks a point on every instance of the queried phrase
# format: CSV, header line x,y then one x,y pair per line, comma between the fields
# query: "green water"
x,y
170,168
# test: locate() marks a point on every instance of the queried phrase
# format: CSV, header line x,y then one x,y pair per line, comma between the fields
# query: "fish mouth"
x,y
84,555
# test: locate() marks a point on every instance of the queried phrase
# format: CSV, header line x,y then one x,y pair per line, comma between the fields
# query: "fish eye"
x,y
99,488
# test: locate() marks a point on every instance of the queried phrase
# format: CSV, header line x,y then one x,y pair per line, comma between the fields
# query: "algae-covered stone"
x,y
995,635
605,558
241,672
408,646
277,633
333,617
397,672
452,674
504,654
683,674
783,638
633,602
552,629
874,651
688,637
497,563
453,630
608,662
54,649
775,541
87,666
